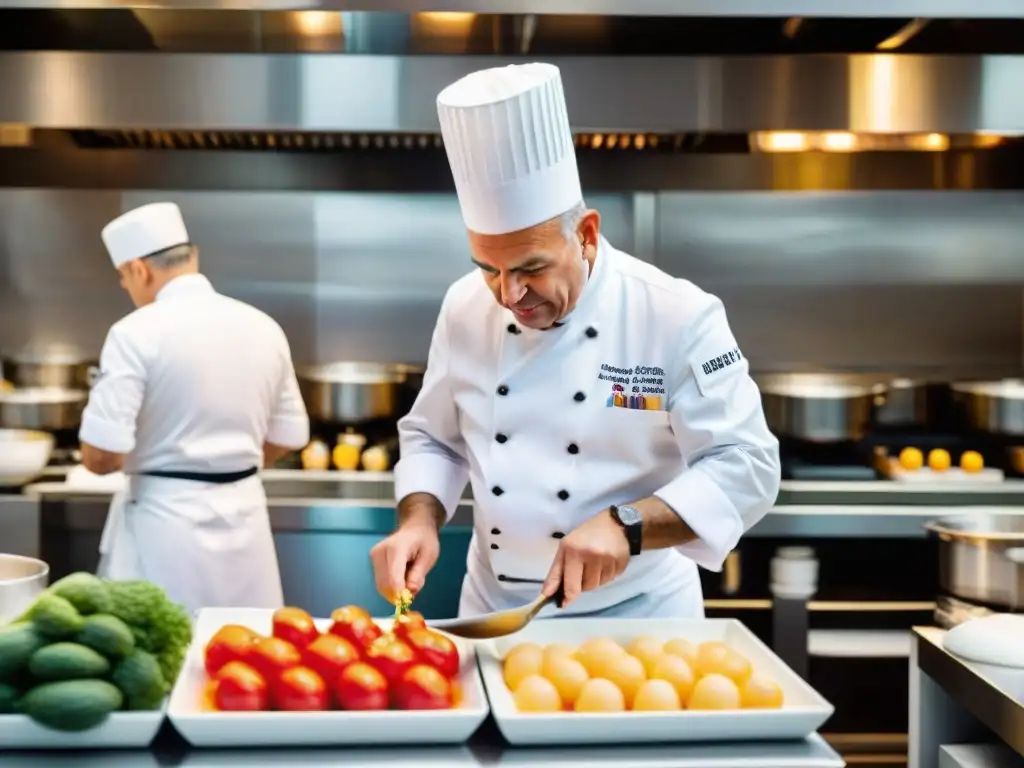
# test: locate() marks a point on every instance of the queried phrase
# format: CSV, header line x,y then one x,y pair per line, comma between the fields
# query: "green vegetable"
x,y
67,661
146,705
9,696
17,644
161,627
55,617
86,592
107,635
73,705
139,677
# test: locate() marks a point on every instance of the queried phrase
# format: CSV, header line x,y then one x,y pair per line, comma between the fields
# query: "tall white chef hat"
x,y
506,131
144,231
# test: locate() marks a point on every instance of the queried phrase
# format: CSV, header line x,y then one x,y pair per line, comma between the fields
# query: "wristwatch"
x,y
632,525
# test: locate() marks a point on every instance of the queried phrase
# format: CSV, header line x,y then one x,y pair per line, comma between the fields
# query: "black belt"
x,y
219,478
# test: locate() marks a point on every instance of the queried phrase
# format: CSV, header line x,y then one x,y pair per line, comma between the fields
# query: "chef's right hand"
x,y
403,559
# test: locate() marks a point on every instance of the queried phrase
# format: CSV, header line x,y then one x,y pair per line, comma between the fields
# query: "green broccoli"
x,y
161,627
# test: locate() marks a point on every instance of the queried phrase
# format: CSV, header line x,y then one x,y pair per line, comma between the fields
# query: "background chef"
x,y
601,409
196,391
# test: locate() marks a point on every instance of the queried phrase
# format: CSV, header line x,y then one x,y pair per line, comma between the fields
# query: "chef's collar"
x,y
183,285
590,290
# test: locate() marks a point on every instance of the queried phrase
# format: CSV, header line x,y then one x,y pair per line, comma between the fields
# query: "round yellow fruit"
x,y
628,674
567,675
647,649
657,696
760,692
714,692
676,672
911,459
520,664
971,461
683,648
599,695
939,460
537,694
597,654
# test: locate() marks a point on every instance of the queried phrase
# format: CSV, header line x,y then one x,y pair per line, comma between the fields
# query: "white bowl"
x,y
122,730
279,729
24,454
803,712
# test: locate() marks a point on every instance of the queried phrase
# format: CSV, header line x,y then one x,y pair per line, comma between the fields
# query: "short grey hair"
x,y
570,221
175,256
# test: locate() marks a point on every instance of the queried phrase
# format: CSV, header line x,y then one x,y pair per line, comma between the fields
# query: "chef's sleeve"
x,y
289,423
108,422
732,470
433,454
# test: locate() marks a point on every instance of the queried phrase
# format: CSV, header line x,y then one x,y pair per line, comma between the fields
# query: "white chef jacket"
x,y
527,418
195,382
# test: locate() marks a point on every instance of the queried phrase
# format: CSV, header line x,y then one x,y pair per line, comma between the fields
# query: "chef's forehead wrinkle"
x,y
531,261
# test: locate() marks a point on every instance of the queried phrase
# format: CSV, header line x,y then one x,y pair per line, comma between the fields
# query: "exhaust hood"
x,y
964,9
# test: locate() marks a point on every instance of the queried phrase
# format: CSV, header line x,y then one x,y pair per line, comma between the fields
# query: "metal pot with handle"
x,y
49,371
820,408
45,408
352,393
981,557
993,406
907,402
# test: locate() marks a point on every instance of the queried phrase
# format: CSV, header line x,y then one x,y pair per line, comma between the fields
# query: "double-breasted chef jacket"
x,y
540,424
194,384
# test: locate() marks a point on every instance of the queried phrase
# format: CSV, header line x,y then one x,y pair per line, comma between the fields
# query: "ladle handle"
x,y
558,598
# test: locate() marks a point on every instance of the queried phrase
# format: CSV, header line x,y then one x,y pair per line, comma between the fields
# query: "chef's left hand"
x,y
592,555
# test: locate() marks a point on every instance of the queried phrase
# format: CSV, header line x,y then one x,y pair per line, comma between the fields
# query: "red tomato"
x,y
361,687
300,689
358,630
296,626
423,687
270,656
436,650
231,643
407,622
240,688
328,656
391,657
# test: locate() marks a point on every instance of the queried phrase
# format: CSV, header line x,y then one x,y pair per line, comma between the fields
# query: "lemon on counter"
x,y
316,456
939,460
911,459
971,461
348,450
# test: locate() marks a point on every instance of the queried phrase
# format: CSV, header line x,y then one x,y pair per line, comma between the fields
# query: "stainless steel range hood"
x,y
964,9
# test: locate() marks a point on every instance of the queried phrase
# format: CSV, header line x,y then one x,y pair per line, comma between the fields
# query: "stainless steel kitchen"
x,y
849,181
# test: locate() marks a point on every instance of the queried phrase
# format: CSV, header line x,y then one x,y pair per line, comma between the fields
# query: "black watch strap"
x,y
632,526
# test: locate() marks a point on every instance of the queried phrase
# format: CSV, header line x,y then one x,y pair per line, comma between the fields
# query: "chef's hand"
x,y
403,559
593,555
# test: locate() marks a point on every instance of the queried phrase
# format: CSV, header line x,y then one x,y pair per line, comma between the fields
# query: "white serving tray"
x,y
122,730
803,713
285,729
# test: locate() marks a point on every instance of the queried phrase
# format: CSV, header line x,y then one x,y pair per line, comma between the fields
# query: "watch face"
x,y
629,516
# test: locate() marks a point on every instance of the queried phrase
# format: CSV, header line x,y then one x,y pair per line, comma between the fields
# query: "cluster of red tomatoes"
x,y
355,665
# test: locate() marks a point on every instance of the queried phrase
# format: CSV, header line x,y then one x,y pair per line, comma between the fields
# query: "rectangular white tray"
x,y
284,729
122,730
802,714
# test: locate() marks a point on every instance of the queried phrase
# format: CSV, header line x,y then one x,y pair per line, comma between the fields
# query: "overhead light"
x,y
842,141
781,141
316,23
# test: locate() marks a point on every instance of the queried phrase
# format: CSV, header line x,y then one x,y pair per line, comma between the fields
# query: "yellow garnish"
x,y
402,602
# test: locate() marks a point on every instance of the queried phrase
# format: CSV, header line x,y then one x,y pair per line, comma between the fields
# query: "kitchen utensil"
x,y
821,408
352,393
50,370
993,406
45,408
981,557
500,623
22,580
23,455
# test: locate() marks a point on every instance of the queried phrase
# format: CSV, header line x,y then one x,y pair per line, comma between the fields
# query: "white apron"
x,y
207,545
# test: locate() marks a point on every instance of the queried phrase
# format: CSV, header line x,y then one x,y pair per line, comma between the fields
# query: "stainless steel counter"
x,y
485,749
955,702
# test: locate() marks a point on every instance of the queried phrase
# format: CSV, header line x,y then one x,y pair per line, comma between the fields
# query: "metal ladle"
x,y
500,623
